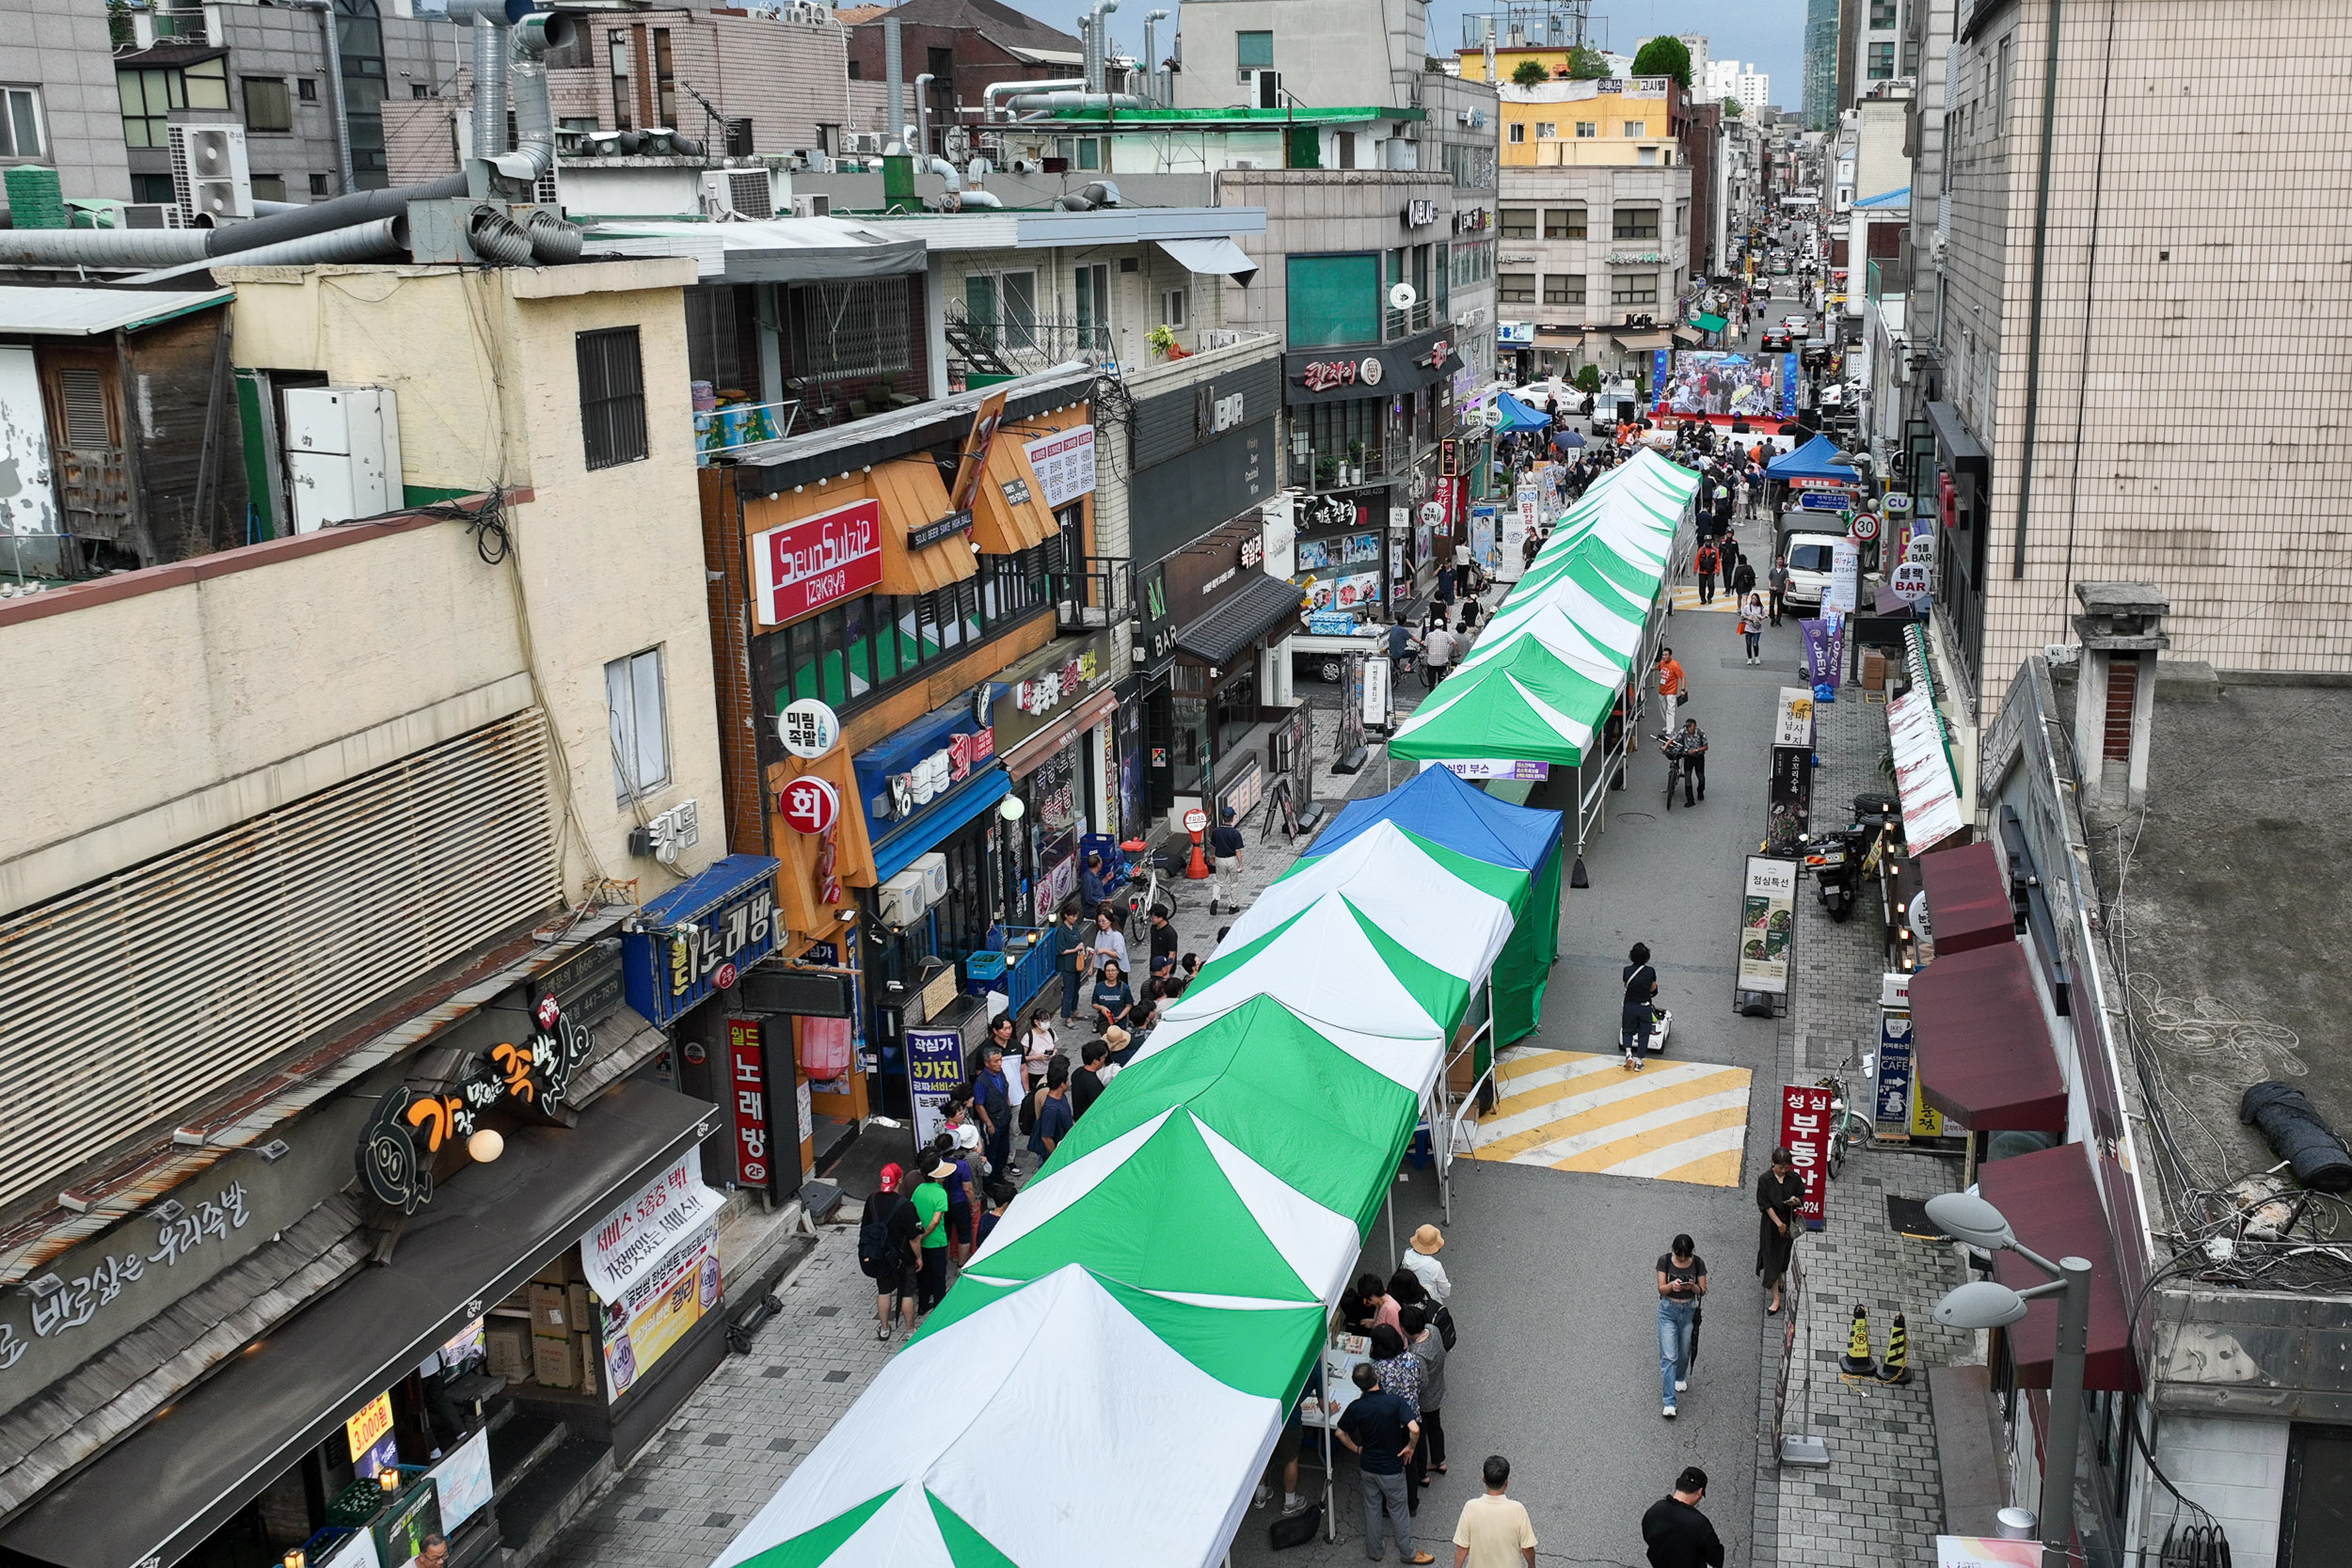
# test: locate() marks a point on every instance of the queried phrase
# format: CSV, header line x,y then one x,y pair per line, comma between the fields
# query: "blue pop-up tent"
x,y
1517,416
1811,461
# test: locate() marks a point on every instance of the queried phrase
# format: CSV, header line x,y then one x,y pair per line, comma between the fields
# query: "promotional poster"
x,y
1711,381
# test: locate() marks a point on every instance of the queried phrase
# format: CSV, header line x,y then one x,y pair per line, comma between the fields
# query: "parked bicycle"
x,y
1849,1128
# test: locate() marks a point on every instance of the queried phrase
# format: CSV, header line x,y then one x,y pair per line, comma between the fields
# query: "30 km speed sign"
x,y
1865,526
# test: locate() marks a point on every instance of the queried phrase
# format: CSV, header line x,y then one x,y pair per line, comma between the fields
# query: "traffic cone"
x,y
1897,1368
1857,1362
1196,868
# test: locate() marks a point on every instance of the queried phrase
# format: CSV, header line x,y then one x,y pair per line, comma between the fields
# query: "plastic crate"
x,y
987,966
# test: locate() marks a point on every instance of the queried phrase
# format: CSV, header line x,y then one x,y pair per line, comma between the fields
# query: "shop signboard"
x,y
811,562
1244,790
1890,1106
934,1067
1353,593
1040,688
1805,1130
1492,768
373,1422
462,1479
747,1102
1767,924
1156,633
700,936
1064,464
634,1237
1330,623
1278,536
1349,549
972,461
1377,670
658,1308
1913,582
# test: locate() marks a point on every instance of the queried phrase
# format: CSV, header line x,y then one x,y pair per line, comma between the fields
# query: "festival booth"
x,y
1568,647
1515,415
1164,1283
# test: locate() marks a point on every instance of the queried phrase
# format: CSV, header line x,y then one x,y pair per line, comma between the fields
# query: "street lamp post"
x,y
1989,1304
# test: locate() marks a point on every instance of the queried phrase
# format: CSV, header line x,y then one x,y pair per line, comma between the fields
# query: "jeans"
x,y
1391,1490
1069,993
1677,1335
1755,644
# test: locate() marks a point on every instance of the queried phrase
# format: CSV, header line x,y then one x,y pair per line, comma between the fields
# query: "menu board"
x,y
1767,922
1064,464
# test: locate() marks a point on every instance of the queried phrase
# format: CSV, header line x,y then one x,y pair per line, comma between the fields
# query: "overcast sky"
x,y
1769,34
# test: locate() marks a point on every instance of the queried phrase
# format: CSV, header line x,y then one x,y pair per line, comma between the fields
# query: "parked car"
x,y
1809,560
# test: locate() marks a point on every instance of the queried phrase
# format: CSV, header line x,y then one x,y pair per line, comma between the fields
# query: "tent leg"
x,y
1331,1492
1390,1209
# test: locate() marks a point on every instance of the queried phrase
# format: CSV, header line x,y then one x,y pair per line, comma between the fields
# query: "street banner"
x,y
1766,915
1805,1129
1890,1110
1375,693
1845,576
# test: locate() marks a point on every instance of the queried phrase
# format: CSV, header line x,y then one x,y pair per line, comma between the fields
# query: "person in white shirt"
x,y
1421,1257
1109,941
1037,1050
1436,652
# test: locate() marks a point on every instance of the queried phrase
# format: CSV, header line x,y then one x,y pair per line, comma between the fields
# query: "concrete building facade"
x,y
60,81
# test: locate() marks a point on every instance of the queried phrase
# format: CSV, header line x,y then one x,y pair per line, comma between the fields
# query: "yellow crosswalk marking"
x,y
1581,1110
1687,598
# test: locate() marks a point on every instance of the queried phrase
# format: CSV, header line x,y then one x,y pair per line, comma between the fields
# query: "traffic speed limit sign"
x,y
1865,526
1196,820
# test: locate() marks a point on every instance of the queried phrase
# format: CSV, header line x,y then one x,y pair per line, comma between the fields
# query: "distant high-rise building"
x,y
1820,64
1730,79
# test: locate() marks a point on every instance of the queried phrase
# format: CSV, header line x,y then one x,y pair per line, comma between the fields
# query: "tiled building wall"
x,y
61,48
2236,1470
2190,428
1599,190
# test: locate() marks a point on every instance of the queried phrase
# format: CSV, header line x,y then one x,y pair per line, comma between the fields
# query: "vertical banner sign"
x,y
747,1090
1890,1110
934,1067
1805,1133
1766,915
1845,576
1375,709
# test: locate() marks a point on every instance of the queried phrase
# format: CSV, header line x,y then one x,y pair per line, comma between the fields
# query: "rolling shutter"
x,y
130,999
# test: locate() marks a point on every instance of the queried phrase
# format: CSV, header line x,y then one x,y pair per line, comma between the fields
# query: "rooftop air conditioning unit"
x,y
899,900
812,206
152,214
209,176
740,192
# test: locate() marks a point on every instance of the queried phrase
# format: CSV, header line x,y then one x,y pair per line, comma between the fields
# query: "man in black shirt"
x,y
1085,1084
1680,1536
1163,943
1378,1429
1225,843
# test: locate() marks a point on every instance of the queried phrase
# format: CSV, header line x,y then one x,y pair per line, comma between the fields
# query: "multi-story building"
x,y
1874,44
1595,218
2072,328
62,111
955,51
1820,98
1730,79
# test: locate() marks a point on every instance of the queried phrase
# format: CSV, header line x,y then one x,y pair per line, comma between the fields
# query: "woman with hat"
x,y
1778,1193
1421,1255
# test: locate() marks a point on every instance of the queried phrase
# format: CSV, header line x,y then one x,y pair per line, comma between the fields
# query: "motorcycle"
x,y
1837,862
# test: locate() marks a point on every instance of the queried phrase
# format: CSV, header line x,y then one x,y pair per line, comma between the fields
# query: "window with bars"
x,y
852,329
611,397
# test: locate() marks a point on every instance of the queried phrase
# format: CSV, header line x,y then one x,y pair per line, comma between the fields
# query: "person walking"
x,y
1427,1346
1436,652
1682,1281
886,1238
1777,581
1494,1531
1670,682
1164,941
1690,744
1752,628
990,1100
930,1199
1070,947
1421,1257
1727,554
1637,1014
1376,1430
1703,565
1225,843
1677,1533
1779,1193
1742,579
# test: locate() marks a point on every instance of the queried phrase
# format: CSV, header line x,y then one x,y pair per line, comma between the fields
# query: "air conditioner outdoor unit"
x,y
209,176
744,193
935,869
152,214
869,142
899,900
812,206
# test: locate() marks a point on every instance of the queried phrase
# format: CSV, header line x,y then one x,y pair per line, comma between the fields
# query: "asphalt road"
x,y
1557,1367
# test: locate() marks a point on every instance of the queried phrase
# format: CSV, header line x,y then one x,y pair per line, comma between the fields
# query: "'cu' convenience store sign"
x,y
808,564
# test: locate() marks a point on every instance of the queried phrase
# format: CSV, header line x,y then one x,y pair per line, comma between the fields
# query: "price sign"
x,y
1804,1113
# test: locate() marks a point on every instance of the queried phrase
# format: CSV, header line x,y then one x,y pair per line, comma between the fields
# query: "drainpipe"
x,y
994,91
894,83
1151,21
1098,50
334,64
2033,322
922,147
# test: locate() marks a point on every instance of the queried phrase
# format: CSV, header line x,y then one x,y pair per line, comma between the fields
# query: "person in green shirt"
x,y
931,1213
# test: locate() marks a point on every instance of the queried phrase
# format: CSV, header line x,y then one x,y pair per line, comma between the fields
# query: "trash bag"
x,y
2298,1133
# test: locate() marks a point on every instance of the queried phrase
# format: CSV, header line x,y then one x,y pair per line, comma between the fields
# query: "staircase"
x,y
544,1474
972,346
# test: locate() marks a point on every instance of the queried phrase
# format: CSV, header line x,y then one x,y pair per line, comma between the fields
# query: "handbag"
x,y
1295,1529
1443,1323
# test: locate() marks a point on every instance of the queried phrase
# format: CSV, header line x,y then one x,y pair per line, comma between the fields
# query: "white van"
x,y
1810,556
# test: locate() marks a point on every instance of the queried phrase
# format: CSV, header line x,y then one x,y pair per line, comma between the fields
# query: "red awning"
x,y
2051,1200
1985,1052
1967,898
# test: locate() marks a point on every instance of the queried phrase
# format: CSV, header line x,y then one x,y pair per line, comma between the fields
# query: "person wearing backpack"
x,y
885,1251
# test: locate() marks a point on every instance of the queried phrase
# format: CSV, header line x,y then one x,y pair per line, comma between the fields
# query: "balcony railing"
x,y
1022,345
1093,592
1399,323
1320,471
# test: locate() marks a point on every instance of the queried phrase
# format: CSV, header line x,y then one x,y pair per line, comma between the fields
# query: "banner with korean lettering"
x,y
1064,464
657,1309
1805,1130
747,1102
633,1240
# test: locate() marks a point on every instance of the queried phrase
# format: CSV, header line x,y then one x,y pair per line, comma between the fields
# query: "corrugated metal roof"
x,y
87,312
1900,197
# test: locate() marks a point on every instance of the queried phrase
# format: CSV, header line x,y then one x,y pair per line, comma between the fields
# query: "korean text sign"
x,y
747,1102
807,564
1805,1129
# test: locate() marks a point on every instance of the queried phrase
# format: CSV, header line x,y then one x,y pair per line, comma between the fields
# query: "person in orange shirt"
x,y
1669,679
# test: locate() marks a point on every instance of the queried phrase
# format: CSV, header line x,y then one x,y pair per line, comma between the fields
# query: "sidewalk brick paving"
x,y
1881,1500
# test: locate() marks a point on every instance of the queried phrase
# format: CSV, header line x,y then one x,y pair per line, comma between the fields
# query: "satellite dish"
x,y
1402,296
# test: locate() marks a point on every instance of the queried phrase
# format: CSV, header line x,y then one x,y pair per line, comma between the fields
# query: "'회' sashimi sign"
x,y
808,564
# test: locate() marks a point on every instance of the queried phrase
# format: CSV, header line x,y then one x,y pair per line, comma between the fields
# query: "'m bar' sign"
x,y
808,564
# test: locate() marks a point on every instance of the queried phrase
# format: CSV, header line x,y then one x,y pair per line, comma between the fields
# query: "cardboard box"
x,y
551,1362
562,1271
584,1351
1873,670
550,1311
510,1349
583,1310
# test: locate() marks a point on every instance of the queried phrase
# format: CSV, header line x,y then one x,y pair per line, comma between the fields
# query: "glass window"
x,y
1564,223
1637,128
269,187
1517,223
1882,16
1519,131
20,123
266,104
640,734
1635,223
1546,129
1633,287
1588,127
1253,51
1564,287
1882,62
1332,299
1516,288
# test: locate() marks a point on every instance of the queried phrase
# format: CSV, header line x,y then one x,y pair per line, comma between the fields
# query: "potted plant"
x,y
1326,470
1355,462
1164,343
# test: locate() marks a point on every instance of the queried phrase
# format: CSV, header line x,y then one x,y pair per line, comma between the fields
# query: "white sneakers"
x,y
1264,1496
1669,1412
1682,1386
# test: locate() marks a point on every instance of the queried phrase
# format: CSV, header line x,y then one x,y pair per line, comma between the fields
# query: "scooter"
x,y
1836,862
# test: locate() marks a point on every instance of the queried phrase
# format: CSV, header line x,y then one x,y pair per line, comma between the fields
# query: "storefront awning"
x,y
1263,604
1219,256
1923,770
1688,336
2051,1199
1985,1058
158,1493
1642,343
1030,755
1968,904
974,795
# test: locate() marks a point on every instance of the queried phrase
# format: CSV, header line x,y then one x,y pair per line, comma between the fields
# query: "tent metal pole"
x,y
1388,1207
1331,1492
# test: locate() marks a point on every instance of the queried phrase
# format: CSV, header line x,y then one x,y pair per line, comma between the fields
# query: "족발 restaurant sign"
x,y
810,563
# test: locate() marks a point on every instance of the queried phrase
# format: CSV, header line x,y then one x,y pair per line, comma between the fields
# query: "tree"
x,y
1587,65
1664,55
1732,109
1531,74
1588,378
